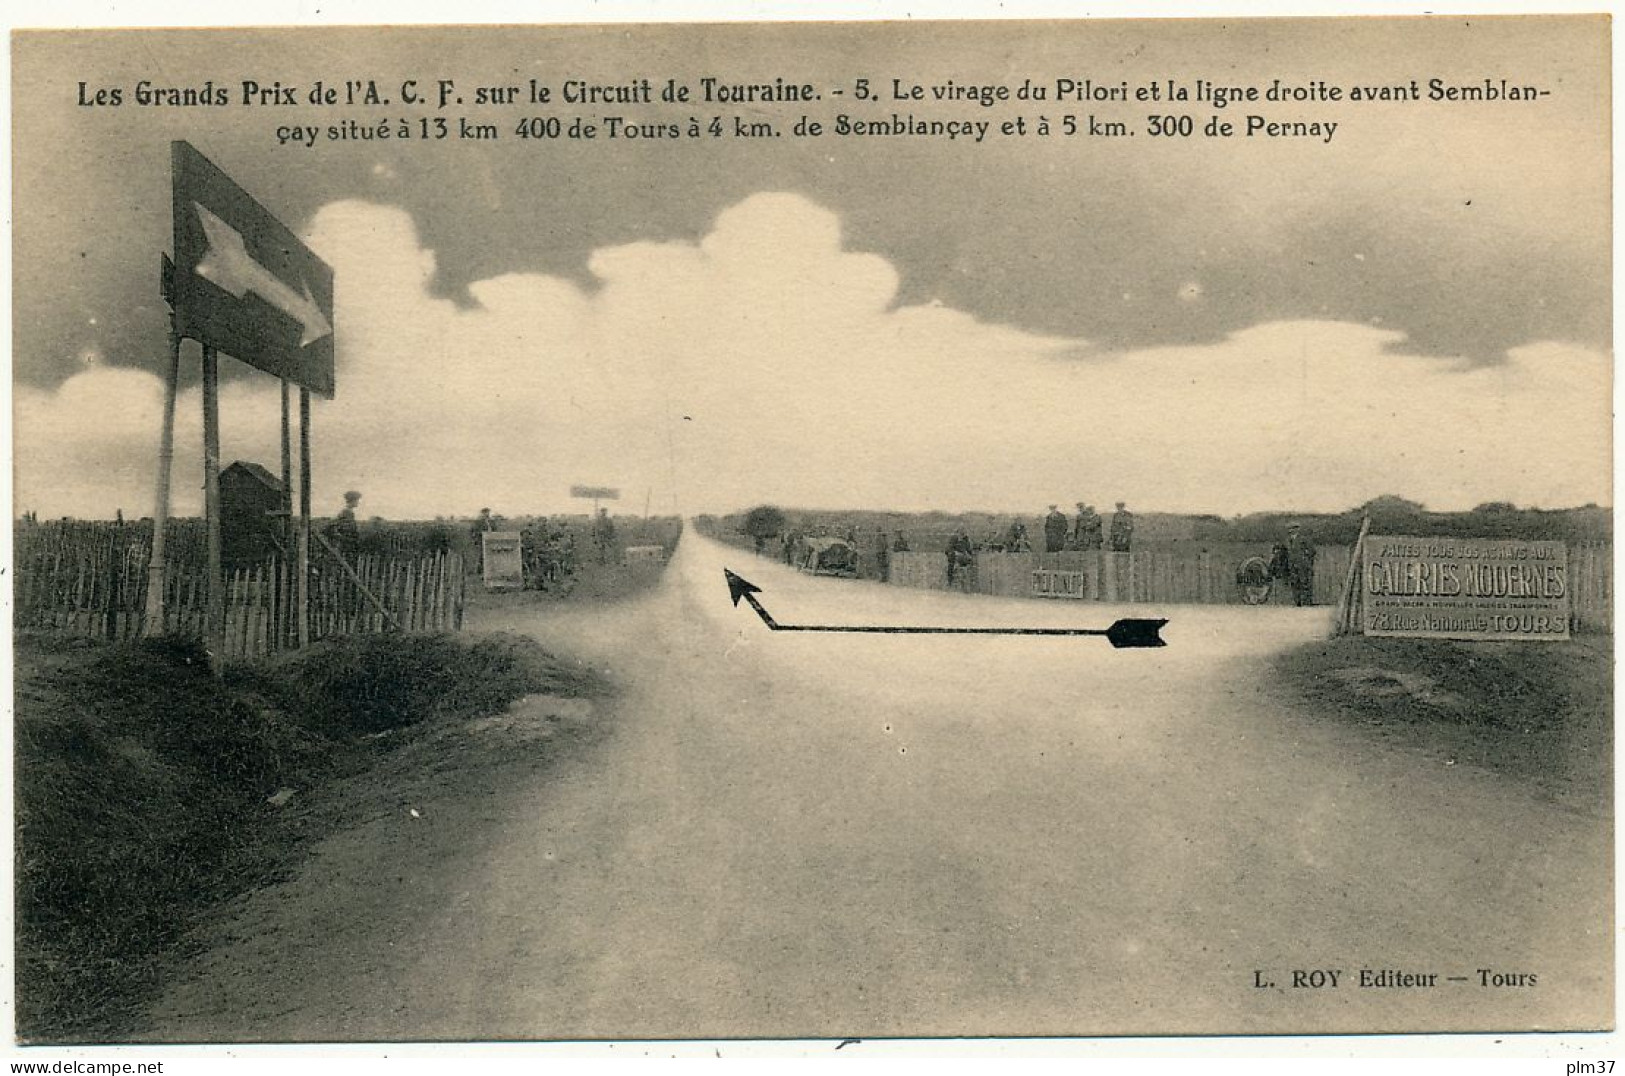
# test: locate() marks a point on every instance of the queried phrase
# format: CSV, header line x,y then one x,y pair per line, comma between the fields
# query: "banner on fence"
x,y
1464,588
1060,584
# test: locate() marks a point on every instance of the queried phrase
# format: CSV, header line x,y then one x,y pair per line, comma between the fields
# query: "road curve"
x,y
801,834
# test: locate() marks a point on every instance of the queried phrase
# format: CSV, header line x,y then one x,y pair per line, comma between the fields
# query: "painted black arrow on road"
x,y
1124,634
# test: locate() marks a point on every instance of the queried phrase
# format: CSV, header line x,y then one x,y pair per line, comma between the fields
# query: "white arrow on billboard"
x,y
228,265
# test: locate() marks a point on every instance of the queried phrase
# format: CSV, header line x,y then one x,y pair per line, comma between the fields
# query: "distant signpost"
x,y
596,494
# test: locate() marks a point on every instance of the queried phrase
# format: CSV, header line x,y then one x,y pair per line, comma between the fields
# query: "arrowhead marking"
x,y
229,266
1135,633
738,587
1130,632
316,325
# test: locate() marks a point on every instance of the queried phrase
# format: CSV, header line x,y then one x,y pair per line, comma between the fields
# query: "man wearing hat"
x,y
1054,531
1300,565
1086,535
343,532
961,559
1122,533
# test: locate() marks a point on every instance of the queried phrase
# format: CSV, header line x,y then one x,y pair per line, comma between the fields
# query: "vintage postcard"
x,y
813,530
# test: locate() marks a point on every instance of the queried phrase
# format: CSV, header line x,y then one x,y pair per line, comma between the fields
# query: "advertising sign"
x,y
1465,588
1060,584
504,564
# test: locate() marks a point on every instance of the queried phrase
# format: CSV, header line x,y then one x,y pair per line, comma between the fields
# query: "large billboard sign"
x,y
243,283
1465,588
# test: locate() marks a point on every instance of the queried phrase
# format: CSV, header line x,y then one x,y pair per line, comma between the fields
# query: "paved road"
x,y
804,834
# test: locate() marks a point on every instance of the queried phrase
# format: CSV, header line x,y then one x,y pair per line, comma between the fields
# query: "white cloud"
x,y
804,383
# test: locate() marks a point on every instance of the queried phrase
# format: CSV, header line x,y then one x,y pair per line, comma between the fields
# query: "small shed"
x,y
251,518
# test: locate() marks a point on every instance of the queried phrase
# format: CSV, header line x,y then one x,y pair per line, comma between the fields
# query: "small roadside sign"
x,y
643,554
503,559
243,283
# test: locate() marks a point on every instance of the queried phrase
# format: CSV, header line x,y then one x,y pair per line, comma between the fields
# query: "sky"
x,y
1420,306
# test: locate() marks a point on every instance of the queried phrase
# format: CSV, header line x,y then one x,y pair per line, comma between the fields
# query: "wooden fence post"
x,y
1346,619
110,599
462,591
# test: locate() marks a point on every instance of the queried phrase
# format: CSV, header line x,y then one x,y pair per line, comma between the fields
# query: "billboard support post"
x,y
284,605
302,615
214,632
157,565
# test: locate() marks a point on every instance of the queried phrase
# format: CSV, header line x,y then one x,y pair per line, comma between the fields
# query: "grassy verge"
x,y
148,792
1539,712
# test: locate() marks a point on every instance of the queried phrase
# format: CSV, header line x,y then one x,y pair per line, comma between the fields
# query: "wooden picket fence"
x,y
1591,585
416,594
91,580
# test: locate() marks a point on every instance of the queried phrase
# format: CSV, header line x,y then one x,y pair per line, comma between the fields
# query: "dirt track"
x,y
829,835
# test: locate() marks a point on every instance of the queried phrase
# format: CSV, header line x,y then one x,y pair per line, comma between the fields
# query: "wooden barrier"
x,y
1204,573
1004,573
926,571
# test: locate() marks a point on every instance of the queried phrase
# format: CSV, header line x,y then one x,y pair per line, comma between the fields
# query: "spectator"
x,y
1122,533
547,539
1086,535
343,532
961,555
900,543
1300,560
1054,530
1280,566
1016,540
567,555
529,572
603,535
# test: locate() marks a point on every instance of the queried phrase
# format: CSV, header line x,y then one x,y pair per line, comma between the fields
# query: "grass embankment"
x,y
147,791
1539,712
